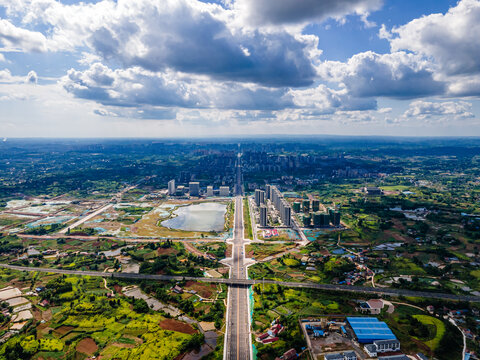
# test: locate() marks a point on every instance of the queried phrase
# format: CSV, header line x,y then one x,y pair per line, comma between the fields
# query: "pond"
x,y
198,217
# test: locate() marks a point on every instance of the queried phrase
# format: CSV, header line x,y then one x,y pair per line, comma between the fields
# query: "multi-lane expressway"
x,y
237,337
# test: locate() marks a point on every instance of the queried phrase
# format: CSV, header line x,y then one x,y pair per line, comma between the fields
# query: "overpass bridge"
x,y
250,282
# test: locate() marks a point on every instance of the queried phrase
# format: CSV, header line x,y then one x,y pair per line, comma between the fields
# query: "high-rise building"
x,y
287,215
171,187
263,215
209,191
224,191
180,190
281,206
257,197
336,218
325,220
194,188
306,206
330,212
296,206
268,192
307,220
315,205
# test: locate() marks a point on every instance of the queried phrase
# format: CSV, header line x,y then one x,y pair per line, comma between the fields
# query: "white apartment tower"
x,y
224,191
171,187
209,191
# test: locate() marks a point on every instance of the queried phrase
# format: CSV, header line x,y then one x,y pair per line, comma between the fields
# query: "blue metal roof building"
x,y
369,329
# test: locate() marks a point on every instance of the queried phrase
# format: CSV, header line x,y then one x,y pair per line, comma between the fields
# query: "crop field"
x,y
14,220
88,323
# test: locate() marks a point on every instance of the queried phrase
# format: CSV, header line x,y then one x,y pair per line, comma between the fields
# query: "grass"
x,y
246,217
475,274
404,266
395,188
261,251
230,216
439,329
125,340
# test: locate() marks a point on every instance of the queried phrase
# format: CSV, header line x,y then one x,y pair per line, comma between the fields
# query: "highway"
x,y
108,237
237,337
247,282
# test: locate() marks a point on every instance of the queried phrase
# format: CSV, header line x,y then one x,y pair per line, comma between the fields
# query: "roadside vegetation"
x,y
247,220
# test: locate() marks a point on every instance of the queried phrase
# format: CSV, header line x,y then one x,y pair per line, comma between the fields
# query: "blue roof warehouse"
x,y
369,329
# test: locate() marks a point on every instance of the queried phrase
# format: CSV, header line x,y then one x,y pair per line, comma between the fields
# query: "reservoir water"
x,y
198,217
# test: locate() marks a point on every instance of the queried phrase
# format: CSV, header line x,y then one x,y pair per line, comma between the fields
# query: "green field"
x,y
247,220
439,331
88,323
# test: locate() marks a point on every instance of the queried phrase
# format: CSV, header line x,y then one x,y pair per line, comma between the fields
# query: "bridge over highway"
x,y
250,282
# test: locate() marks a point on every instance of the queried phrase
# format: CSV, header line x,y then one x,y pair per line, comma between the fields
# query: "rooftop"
x,y
370,329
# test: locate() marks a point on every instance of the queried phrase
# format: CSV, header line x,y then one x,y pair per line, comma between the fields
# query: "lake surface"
x,y
198,217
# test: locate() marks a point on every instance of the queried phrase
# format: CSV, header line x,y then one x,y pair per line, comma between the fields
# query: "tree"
x,y
140,306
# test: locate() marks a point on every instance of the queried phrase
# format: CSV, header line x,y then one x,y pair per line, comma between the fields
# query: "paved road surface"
x,y
85,218
127,240
115,198
238,340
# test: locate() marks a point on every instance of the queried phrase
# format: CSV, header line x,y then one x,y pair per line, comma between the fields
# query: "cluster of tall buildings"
x,y
195,190
280,204
312,216
260,197
260,202
271,193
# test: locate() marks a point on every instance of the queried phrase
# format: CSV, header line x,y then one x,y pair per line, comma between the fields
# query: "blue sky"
x,y
196,68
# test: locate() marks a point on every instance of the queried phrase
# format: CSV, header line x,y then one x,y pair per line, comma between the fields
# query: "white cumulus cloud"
x,y
32,77
13,37
396,75
452,39
447,109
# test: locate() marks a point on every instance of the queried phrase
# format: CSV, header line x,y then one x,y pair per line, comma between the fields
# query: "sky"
x,y
188,68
